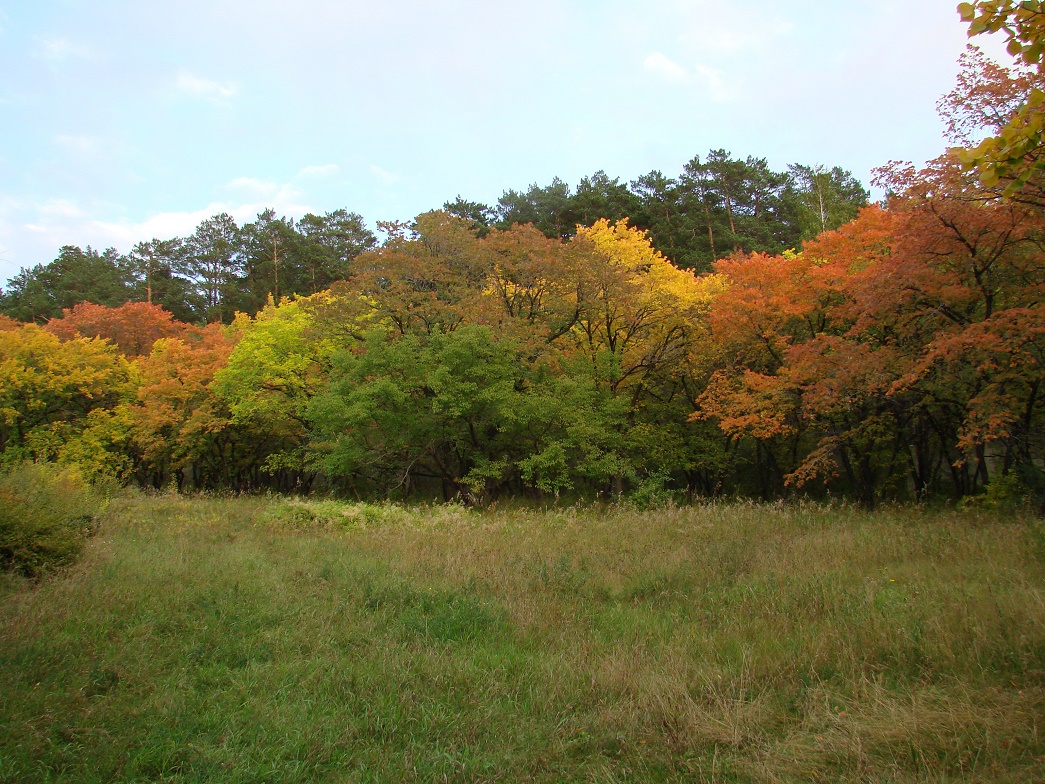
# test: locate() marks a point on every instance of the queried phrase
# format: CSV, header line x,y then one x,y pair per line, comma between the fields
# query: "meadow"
x,y
260,639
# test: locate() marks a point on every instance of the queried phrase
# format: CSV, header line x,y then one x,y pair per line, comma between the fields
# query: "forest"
x,y
731,331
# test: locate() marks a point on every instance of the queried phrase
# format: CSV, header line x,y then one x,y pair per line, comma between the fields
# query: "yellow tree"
x,y
639,320
635,307
49,389
282,360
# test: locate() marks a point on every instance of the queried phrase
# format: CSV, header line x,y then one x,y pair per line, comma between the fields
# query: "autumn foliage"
x,y
898,356
901,349
133,327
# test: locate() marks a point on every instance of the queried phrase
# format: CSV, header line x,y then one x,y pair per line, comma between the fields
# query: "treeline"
x,y
898,357
218,271
713,208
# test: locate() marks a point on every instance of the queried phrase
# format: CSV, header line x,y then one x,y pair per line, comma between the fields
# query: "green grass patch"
x,y
273,640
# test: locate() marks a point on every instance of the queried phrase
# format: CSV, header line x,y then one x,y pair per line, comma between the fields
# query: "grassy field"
x,y
259,640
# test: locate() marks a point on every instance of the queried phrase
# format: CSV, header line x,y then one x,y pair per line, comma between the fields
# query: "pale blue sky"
x,y
128,119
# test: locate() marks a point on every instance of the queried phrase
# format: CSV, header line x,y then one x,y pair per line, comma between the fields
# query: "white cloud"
x,y
325,170
61,49
385,177
40,229
205,88
271,193
664,67
715,82
252,185
124,234
165,225
60,208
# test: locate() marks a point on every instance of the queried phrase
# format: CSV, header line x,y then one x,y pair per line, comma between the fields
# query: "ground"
x,y
267,640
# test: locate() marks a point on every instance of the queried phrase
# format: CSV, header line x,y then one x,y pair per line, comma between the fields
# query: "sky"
x,y
124,120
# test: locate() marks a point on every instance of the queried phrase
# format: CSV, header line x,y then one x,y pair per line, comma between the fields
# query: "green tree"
x,y
334,240
279,364
480,215
156,269
214,263
547,208
76,276
823,199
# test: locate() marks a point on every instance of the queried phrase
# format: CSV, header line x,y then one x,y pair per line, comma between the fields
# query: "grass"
x,y
264,640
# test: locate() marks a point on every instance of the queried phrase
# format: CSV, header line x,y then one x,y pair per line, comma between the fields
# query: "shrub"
x,y
1003,494
46,514
334,515
652,491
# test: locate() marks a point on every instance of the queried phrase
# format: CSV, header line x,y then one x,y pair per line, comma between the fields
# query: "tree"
x,y
49,388
1013,156
660,214
600,198
333,242
427,282
823,199
279,364
184,430
157,270
770,304
76,276
132,328
214,263
404,407
478,214
974,274
547,208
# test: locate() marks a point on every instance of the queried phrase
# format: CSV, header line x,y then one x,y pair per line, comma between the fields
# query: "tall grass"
x,y
259,640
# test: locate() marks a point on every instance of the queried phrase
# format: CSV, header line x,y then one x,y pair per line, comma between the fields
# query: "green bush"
x,y
1003,494
46,514
299,514
652,491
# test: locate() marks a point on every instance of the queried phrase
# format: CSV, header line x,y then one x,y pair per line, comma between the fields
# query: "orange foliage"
x,y
751,404
132,327
179,416
865,334
770,302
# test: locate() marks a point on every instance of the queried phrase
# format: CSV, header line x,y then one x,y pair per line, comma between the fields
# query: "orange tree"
x,y
183,428
132,327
